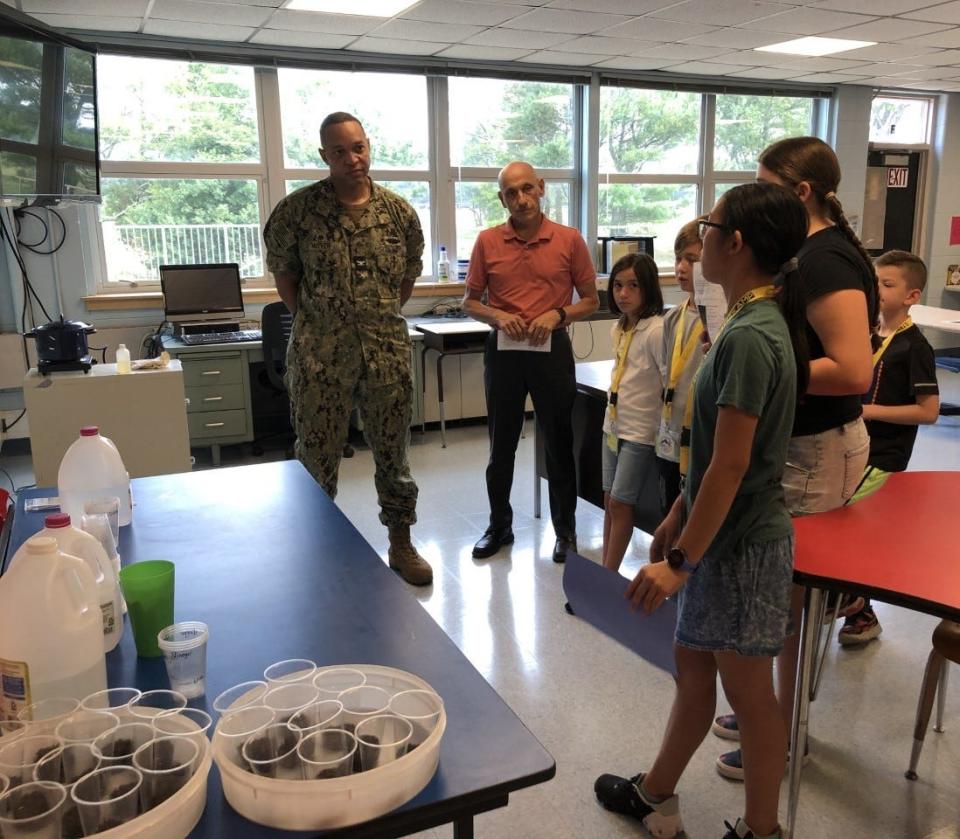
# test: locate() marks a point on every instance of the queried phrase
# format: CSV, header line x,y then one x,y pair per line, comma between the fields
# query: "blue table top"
x,y
276,571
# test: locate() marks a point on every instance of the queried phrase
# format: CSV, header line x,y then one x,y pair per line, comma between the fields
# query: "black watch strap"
x,y
562,312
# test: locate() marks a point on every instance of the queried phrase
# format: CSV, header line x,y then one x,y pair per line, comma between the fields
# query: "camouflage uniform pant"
x,y
321,399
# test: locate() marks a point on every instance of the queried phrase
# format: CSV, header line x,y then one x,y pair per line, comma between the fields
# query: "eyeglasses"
x,y
705,224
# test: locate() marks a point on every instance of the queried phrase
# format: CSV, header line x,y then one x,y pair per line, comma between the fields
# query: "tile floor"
x,y
598,708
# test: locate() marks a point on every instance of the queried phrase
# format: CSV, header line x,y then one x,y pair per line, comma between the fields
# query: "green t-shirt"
x,y
751,367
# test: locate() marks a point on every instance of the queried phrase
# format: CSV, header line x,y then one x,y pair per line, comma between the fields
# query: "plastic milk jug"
x,y
51,630
73,541
92,468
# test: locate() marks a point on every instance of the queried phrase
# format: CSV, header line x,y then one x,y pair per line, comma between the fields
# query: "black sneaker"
x,y
741,831
623,795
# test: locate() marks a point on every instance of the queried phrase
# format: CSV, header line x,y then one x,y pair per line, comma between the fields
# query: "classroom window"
x,y
746,125
898,119
658,210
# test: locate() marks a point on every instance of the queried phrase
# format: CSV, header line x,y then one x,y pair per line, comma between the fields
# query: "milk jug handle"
x,y
79,583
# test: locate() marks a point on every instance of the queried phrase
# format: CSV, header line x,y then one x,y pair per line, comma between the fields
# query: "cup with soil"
x,y
117,747
166,764
382,740
33,809
19,758
362,702
272,752
234,730
422,708
325,713
45,715
327,753
187,722
107,798
154,703
332,681
67,766
86,726
286,699
113,700
240,696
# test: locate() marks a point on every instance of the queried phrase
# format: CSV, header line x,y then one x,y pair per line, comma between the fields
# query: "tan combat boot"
x,y
405,560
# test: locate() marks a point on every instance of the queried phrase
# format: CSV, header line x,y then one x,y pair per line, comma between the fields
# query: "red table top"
x,y
901,545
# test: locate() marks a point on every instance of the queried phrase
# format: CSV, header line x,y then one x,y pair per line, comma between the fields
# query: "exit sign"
x,y
897,177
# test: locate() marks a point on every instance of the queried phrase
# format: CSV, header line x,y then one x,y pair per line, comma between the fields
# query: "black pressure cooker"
x,y
62,345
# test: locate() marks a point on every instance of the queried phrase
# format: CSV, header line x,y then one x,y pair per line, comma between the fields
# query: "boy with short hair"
x,y
902,395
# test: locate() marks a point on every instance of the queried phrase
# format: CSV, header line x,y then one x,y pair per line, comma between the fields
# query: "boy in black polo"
x,y
903,395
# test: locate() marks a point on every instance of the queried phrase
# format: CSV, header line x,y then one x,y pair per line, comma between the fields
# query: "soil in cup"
x,y
71,827
259,749
163,756
30,805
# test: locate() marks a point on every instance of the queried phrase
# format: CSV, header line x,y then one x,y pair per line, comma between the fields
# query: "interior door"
x,y
891,207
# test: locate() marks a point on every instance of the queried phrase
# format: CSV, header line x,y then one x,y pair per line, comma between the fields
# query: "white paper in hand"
x,y
505,342
710,301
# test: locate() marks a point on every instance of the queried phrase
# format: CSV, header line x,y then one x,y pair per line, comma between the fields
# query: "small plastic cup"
x,y
156,703
148,589
19,758
67,765
422,708
86,726
236,728
382,740
289,670
362,702
187,722
324,713
272,752
184,647
244,695
109,507
107,798
47,714
166,764
286,699
117,746
335,680
115,700
327,753
33,810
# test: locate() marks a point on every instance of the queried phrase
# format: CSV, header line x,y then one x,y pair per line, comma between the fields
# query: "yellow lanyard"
x,y
680,357
907,323
623,347
766,292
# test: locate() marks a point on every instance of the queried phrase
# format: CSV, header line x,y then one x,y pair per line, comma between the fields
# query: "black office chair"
x,y
951,363
276,322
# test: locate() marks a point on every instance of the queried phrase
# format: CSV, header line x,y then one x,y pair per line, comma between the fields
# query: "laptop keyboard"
x,y
222,337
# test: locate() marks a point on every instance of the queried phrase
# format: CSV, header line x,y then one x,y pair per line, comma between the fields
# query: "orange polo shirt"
x,y
528,278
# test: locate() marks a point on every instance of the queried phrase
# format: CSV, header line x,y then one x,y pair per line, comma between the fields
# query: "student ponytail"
x,y
837,215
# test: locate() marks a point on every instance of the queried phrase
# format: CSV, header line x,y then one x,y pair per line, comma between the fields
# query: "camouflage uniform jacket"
x,y
348,300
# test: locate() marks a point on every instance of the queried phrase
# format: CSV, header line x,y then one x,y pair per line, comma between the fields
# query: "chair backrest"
x,y
275,325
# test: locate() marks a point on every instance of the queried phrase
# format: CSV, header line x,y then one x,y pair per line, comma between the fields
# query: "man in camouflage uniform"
x,y
345,253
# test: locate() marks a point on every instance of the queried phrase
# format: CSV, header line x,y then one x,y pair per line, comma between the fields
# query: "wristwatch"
x,y
563,314
678,560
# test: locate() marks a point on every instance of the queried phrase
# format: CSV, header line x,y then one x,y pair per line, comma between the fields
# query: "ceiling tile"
x,y
312,22
651,29
741,39
706,68
572,59
720,12
806,21
454,11
607,46
94,23
417,30
811,64
684,52
190,10
770,73
886,29
560,20
394,46
945,13
517,39
197,30
827,78
878,7
616,7
104,8
948,39
936,73
749,58
472,53
625,62
939,58
302,38
890,52
889,69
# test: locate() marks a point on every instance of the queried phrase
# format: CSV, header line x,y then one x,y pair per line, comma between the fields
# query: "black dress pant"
x,y
550,380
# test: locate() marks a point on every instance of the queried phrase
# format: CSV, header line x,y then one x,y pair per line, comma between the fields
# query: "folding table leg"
x,y
463,828
801,700
443,413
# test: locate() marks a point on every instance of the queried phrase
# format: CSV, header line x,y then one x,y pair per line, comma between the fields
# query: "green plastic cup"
x,y
148,589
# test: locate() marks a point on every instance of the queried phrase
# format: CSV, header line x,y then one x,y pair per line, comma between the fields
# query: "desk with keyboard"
x,y
239,337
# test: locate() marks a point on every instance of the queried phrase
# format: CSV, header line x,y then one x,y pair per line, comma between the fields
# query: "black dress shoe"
x,y
564,544
491,542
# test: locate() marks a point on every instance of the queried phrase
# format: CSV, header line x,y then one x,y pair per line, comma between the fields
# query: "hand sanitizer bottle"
x,y
123,359
443,266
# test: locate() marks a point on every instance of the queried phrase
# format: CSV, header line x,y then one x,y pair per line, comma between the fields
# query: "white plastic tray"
x,y
336,802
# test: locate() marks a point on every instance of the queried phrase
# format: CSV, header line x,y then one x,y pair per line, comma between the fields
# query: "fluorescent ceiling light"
x,y
368,8
815,46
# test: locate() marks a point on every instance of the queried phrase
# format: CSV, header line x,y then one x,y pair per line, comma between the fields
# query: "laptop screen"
x,y
201,293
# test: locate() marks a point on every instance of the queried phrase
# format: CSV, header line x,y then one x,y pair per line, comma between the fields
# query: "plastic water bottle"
x,y
443,266
75,542
51,631
92,468
123,359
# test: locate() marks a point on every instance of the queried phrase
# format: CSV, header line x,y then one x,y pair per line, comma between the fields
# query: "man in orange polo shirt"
x,y
529,267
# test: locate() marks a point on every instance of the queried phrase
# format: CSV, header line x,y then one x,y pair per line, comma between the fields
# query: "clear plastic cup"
x,y
114,700
333,681
184,648
362,702
67,765
19,758
11,729
107,798
272,752
86,726
382,740
236,728
33,810
109,508
47,714
187,722
325,713
327,753
166,764
286,699
117,746
290,670
156,703
240,696
422,708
